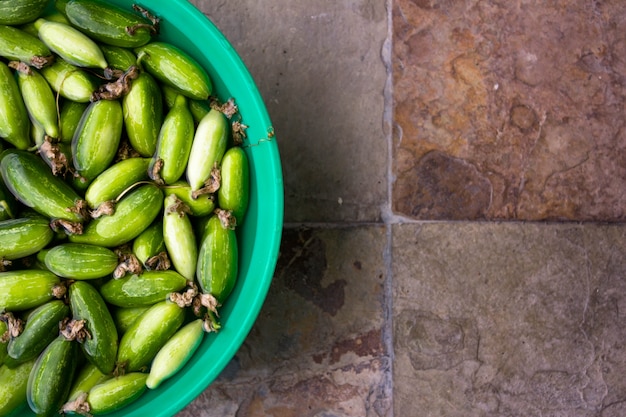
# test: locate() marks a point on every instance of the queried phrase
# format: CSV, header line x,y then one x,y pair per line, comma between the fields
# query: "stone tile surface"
x,y
318,346
318,66
509,320
509,109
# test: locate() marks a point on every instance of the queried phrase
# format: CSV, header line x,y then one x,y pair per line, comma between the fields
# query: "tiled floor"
x,y
454,243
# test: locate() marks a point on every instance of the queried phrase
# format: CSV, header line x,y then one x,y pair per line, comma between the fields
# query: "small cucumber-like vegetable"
x,y
175,353
69,81
53,16
37,132
133,214
16,12
14,122
8,203
101,346
24,236
124,317
86,378
51,376
70,44
71,113
169,95
149,243
40,101
179,237
144,289
218,260
202,205
81,261
4,341
31,181
78,182
97,138
114,180
13,383
200,226
207,149
119,58
25,289
234,191
176,68
40,262
115,393
107,23
143,114
19,45
174,143
198,108
147,335
41,328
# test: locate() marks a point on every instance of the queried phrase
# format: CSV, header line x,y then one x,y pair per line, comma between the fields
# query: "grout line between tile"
x,y
387,331
392,220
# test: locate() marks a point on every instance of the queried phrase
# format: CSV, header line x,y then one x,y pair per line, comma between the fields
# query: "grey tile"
x,y
317,348
509,319
318,66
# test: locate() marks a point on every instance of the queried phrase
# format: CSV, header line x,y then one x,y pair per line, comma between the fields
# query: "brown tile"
x,y
509,110
509,319
318,347
347,392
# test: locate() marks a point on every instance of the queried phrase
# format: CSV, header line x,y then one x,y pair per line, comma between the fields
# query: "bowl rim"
x,y
272,236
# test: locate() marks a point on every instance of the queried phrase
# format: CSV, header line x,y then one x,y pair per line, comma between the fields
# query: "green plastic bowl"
x,y
259,237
